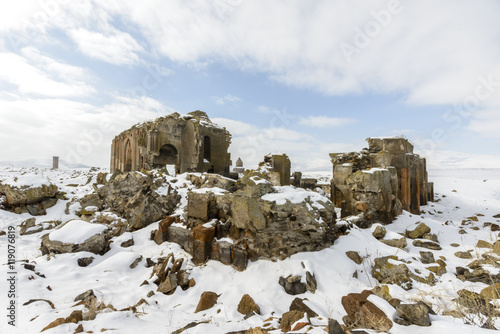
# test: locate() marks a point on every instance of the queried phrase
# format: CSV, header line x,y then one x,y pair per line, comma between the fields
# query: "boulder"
x,y
169,285
491,292
418,232
293,285
207,300
311,284
85,261
426,244
299,305
74,317
483,244
387,272
91,238
496,247
334,327
256,330
248,306
354,256
362,313
379,232
289,318
414,314
397,243
27,195
463,255
427,257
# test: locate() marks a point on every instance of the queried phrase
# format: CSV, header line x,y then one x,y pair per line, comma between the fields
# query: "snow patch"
x,y
76,232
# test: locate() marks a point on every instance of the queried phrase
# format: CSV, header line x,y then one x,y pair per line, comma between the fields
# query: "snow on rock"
x,y
292,194
459,195
76,232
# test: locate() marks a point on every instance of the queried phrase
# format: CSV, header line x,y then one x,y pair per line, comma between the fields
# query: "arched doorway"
x,y
127,157
168,156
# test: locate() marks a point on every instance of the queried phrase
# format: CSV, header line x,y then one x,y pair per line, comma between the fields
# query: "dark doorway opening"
x,y
207,149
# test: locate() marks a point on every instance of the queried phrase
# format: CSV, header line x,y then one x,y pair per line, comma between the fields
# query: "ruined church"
x,y
190,143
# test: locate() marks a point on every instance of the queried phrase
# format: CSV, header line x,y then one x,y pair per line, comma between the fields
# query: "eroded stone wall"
x,y
191,143
379,182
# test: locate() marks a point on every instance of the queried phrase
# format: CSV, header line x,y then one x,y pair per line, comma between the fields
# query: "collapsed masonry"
x,y
191,143
381,181
250,219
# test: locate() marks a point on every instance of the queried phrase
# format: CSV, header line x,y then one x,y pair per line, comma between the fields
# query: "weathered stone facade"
x,y
380,181
192,143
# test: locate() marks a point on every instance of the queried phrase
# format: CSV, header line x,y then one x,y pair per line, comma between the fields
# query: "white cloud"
x,y
325,121
300,44
221,100
75,131
41,75
115,47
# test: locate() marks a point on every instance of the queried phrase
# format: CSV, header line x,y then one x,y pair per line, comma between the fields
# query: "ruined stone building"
x,y
192,143
380,181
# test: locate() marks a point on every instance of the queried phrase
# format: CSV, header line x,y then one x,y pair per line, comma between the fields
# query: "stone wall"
x,y
192,143
380,181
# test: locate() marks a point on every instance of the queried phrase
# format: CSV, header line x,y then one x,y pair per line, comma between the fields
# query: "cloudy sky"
x,y
302,77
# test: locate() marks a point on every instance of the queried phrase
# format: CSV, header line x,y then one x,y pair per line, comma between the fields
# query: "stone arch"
x,y
127,154
168,156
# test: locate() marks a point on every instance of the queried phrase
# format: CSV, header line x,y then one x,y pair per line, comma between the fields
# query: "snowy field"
x,y
459,194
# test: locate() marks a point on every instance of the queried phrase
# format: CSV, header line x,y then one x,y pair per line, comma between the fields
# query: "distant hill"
x,y
41,163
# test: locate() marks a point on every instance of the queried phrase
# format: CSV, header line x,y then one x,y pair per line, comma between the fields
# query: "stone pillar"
x,y
415,191
297,177
55,162
281,164
405,188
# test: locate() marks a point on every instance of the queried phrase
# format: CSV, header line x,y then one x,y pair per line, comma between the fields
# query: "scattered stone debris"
x,y
34,200
134,197
169,275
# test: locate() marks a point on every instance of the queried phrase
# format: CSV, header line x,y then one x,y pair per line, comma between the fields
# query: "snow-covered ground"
x,y
459,194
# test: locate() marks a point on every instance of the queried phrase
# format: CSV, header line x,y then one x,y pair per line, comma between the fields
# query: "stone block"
x,y
201,251
198,206
297,176
181,236
397,145
161,234
168,285
247,214
240,258
214,254
225,253
203,233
